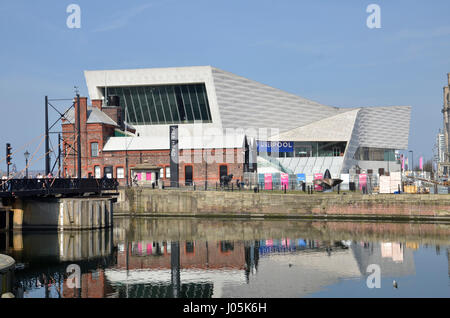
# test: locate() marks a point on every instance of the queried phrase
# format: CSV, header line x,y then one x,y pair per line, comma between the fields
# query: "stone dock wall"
x,y
63,214
149,202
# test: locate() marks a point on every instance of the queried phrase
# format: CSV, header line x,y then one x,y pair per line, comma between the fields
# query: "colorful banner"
x,y
174,156
284,180
318,176
268,181
362,180
301,177
421,163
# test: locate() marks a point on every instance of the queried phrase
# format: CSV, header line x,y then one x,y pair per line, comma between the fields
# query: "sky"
x,y
318,49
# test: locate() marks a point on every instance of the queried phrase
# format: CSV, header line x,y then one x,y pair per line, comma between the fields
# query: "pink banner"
x,y
149,249
403,164
268,181
148,176
318,176
421,163
362,180
285,180
139,176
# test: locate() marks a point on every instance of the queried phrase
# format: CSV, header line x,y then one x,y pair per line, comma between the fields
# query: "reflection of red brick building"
x,y
92,286
201,255
148,158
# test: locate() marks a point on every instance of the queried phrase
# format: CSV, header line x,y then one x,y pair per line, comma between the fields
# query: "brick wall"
x,y
99,133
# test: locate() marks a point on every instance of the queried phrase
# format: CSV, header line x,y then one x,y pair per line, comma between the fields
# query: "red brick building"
x,y
147,158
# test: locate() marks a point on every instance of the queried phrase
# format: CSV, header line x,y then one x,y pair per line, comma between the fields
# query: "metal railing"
x,y
57,185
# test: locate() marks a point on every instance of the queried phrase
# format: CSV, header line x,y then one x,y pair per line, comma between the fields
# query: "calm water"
x,y
147,257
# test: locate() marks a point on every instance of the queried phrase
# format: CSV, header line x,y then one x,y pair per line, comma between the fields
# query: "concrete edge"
x,y
342,217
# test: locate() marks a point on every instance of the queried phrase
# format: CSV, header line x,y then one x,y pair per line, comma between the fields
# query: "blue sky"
x,y
321,50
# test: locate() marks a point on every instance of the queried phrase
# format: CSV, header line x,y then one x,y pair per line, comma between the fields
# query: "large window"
x,y
311,149
168,172
120,173
374,154
163,104
94,149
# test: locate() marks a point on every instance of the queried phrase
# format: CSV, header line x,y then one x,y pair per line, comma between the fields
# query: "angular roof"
x,y
384,127
244,103
94,116
238,102
334,128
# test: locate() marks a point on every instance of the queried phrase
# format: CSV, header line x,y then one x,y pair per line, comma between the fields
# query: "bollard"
x,y
284,189
339,188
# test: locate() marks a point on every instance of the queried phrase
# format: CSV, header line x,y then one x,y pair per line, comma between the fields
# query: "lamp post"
x,y
27,155
412,160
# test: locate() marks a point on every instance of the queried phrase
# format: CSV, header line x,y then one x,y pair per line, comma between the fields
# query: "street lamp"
x,y
27,155
412,160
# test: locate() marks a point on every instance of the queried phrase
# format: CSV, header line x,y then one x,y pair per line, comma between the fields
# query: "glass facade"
x,y
163,104
375,154
314,149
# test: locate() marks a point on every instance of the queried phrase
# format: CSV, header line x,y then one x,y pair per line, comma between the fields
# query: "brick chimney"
x,y
97,103
83,110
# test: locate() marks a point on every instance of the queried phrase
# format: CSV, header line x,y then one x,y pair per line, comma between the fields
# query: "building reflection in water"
x,y
137,266
448,261
220,269
43,259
